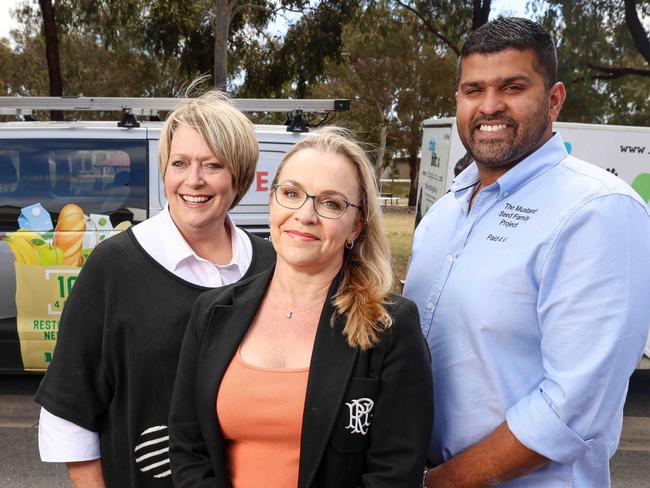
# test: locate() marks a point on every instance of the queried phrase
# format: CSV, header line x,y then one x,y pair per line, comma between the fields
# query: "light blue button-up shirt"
x,y
535,306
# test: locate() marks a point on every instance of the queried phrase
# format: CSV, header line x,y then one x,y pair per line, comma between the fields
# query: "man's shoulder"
x,y
587,181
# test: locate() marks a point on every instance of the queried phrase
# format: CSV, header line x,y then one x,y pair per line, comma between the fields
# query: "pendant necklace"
x,y
290,313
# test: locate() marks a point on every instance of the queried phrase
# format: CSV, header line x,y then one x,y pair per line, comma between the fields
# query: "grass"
x,y
399,226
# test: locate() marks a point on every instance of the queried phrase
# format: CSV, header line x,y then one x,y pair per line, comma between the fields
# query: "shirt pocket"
x,y
354,420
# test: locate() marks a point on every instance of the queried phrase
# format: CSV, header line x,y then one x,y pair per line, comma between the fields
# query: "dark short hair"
x,y
514,33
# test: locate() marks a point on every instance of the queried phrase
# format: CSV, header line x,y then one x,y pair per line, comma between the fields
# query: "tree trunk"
x,y
221,29
381,152
52,54
634,25
481,13
641,43
414,174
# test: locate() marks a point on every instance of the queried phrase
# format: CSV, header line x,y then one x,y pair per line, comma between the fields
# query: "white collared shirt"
x,y
175,254
60,440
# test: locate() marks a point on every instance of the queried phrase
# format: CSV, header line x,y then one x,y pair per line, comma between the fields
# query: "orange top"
x,y
260,413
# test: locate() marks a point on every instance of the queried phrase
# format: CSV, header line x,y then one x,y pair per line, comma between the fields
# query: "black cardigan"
x,y
395,375
115,358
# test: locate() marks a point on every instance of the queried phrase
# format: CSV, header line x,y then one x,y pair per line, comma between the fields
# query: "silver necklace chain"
x,y
290,313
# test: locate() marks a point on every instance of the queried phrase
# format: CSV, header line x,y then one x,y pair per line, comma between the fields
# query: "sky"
x,y
6,21
498,6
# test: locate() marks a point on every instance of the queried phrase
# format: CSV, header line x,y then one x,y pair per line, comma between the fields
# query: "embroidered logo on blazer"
x,y
360,415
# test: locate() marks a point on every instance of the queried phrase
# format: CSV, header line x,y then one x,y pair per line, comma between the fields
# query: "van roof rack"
x,y
23,107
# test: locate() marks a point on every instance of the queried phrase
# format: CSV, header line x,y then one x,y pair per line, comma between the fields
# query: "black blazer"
x,y
395,375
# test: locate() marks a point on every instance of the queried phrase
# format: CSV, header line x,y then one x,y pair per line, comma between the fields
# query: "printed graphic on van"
x,y
59,197
435,160
47,264
642,185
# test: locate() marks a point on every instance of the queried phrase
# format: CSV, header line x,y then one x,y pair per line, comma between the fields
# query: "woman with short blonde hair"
x,y
107,392
226,131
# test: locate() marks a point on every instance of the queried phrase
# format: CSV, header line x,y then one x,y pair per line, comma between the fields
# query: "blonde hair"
x,y
224,129
367,274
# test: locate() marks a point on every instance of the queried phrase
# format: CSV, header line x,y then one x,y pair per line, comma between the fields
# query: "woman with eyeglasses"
x,y
310,374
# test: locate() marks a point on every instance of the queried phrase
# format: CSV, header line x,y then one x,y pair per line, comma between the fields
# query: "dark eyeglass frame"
x,y
275,186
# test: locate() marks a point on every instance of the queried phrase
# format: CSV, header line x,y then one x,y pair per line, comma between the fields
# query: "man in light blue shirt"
x,y
532,278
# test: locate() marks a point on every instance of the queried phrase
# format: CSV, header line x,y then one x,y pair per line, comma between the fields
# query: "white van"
x,y
108,176
622,150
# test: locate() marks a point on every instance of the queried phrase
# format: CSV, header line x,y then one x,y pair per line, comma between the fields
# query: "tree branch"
x,y
614,72
430,26
262,8
635,27
265,35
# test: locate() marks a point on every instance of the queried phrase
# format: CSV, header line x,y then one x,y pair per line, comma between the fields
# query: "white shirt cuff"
x,y
61,441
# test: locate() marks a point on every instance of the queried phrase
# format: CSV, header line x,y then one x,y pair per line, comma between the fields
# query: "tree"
x,y
396,75
87,66
224,14
52,54
428,89
294,65
641,43
436,15
591,34
196,32
371,71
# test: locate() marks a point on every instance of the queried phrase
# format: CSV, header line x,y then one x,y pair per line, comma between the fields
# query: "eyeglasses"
x,y
327,206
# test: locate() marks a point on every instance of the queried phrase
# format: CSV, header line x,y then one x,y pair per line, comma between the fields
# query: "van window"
x,y
101,176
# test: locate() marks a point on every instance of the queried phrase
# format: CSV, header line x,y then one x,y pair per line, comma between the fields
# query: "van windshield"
x,y
107,177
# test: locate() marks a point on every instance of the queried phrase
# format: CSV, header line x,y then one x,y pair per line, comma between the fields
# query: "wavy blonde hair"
x,y
224,129
367,273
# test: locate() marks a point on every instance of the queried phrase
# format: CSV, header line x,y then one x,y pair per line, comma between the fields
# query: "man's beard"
x,y
525,137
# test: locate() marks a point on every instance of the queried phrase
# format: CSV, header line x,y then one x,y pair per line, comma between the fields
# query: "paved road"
x,y
21,468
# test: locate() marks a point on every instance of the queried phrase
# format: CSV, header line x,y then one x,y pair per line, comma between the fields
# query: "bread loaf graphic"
x,y
69,234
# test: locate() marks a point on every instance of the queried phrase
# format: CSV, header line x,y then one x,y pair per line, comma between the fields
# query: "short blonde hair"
x,y
224,129
367,273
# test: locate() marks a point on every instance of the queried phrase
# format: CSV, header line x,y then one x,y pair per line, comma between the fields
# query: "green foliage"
x,y
293,65
135,47
397,67
593,33
397,74
111,63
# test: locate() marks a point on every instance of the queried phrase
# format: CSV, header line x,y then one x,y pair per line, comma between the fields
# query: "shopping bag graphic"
x,y
41,292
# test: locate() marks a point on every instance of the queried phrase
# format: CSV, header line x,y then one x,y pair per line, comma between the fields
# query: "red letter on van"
x,y
262,178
